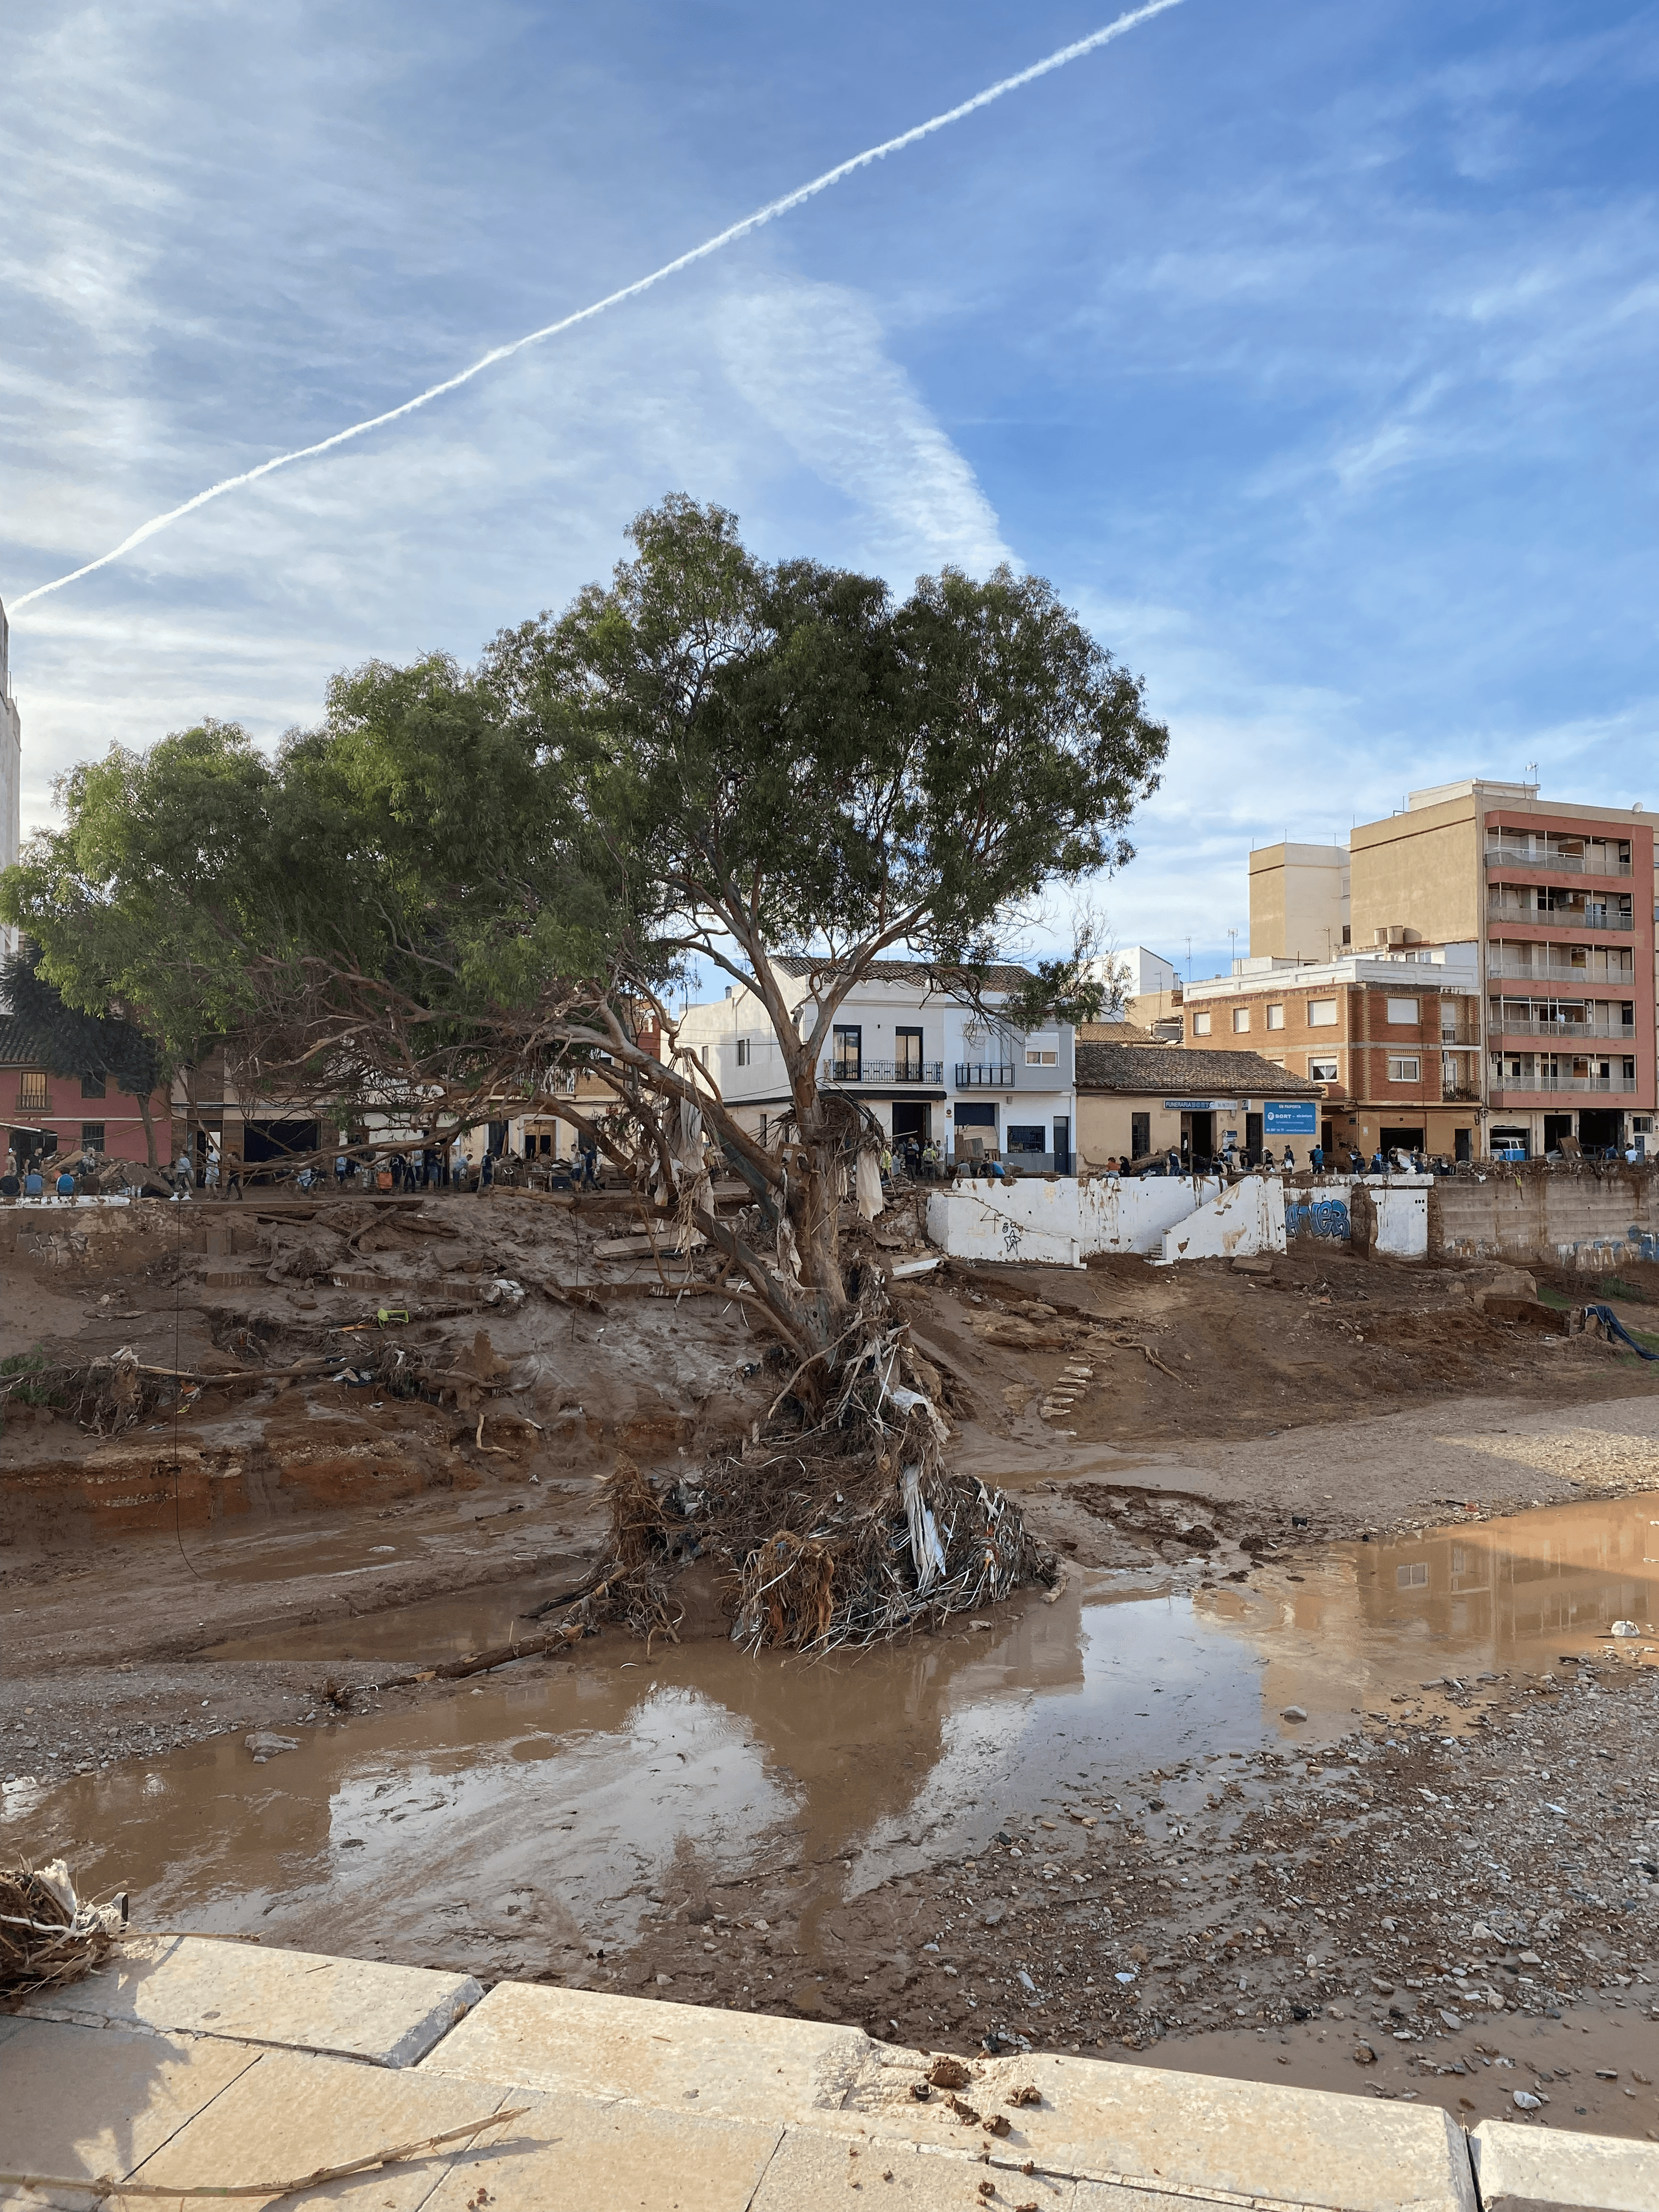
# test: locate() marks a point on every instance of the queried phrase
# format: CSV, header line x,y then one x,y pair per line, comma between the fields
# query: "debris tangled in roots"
x,y
838,1522
47,1937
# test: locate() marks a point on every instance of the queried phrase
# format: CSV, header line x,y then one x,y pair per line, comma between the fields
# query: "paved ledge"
x,y
1533,2170
191,2063
390,2015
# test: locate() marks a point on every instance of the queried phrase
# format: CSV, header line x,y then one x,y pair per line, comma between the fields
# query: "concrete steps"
x,y
192,2064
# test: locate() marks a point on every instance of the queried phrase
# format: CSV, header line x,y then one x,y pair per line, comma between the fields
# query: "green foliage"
x,y
67,1041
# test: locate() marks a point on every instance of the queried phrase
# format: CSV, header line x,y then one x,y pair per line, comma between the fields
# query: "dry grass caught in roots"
x,y
47,1937
835,1524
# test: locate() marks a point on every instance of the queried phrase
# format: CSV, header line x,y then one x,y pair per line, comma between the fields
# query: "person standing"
x,y
486,1173
458,1165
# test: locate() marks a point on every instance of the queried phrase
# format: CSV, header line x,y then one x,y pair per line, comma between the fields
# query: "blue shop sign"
x,y
1290,1117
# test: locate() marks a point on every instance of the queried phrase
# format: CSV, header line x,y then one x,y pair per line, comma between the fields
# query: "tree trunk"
x,y
149,1121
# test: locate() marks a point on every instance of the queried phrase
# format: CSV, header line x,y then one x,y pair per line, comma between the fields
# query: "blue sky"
x,y
1309,348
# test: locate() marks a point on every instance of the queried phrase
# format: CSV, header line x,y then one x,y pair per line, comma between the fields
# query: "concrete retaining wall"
x,y
1064,1222
1243,1220
1586,1220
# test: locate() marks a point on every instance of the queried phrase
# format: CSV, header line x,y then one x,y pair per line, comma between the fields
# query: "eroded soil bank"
x,y
1083,1824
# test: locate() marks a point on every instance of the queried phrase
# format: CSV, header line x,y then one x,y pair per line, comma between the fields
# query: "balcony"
x,y
1514,1087
1561,971
989,1075
1565,1032
863,1070
1556,864
1589,916
33,1098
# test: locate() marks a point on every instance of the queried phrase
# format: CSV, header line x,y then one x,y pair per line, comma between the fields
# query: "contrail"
x,y
772,209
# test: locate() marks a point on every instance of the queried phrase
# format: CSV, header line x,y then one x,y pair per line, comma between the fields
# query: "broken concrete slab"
x,y
747,2065
1525,2169
82,2103
390,2015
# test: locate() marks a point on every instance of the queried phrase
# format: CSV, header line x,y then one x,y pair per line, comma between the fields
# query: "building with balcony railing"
x,y
933,1069
1545,894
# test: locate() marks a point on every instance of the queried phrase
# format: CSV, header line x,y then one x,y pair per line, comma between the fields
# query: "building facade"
x,y
48,1114
1557,901
1140,1100
1392,1042
927,1066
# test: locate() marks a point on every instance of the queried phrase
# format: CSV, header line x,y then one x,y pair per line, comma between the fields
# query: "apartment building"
x,y
1557,903
927,1065
1393,1043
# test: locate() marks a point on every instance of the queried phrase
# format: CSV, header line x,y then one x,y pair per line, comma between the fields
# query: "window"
x,y
907,1055
1275,1018
1404,1068
1241,1019
1200,1025
1405,1009
850,1054
743,1052
1031,1138
1322,1071
1321,1013
761,1133
1140,1135
1413,1576
32,1095
1042,1051
92,1086
91,1136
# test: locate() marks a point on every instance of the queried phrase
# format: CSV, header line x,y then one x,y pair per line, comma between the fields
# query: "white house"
x,y
927,1065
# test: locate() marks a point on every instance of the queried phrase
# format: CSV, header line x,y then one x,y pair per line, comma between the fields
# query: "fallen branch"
x,y
1133,1344
108,2186
482,1662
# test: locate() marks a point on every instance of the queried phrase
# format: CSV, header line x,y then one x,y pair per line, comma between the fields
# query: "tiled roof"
x,y
1000,976
1176,1069
14,1051
1115,1033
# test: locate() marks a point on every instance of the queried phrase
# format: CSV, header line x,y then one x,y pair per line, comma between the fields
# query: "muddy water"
x,y
514,1827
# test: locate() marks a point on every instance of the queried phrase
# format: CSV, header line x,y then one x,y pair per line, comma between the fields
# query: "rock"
x,y
948,2073
992,1917
1026,1983
1452,2019
1526,2102
264,1745
1624,1628
1364,2055
1293,1713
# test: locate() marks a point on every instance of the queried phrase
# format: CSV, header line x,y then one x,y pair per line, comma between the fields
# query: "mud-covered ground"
x,y
231,1565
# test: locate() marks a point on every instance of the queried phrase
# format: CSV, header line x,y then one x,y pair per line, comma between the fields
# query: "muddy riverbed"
x,y
1380,1816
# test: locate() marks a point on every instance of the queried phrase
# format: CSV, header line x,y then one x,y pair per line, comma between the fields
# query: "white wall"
x,y
1246,1218
1063,1222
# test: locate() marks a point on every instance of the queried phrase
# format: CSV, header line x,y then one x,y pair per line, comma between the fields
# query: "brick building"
x,y
1553,905
47,1113
1393,1044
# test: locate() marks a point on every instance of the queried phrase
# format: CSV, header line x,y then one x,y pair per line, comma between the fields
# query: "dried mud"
x,y
795,1836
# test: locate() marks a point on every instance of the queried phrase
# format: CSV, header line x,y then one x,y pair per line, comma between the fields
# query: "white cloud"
x,y
812,360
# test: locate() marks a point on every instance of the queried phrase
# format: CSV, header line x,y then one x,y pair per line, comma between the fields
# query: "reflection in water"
x,y
540,1814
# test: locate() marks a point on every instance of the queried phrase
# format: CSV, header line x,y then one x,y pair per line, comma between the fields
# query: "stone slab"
x,y
352,2007
1525,2169
290,2114
740,2065
574,2154
1139,2128
85,2102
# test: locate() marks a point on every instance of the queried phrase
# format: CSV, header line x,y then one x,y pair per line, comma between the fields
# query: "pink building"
x,y
74,1109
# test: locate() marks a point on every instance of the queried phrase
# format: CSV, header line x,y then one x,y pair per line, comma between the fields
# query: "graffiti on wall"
x,y
1319,1216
